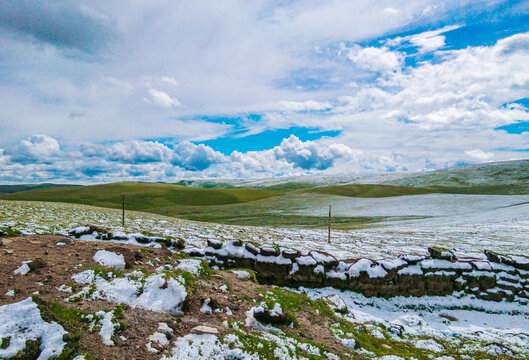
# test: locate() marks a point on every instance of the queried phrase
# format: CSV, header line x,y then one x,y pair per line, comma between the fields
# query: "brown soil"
x,y
57,264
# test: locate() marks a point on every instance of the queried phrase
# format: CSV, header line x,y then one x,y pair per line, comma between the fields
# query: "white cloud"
x,y
426,41
308,105
376,59
161,98
310,155
479,154
195,157
169,80
138,152
242,57
36,148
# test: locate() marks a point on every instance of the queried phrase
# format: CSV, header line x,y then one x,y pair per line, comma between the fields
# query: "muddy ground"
x,y
56,264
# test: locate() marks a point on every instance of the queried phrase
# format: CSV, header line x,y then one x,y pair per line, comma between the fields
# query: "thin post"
x,y
123,211
329,240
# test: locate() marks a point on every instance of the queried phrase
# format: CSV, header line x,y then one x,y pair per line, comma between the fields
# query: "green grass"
x,y
141,195
272,206
9,189
369,190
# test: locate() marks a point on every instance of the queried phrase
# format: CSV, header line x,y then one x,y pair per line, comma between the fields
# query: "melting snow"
x,y
110,259
22,322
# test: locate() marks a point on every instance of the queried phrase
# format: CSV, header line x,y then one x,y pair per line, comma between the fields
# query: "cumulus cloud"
x,y
138,152
375,59
161,98
195,157
36,148
310,155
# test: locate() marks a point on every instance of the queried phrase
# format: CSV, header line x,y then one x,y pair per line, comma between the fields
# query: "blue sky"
x,y
108,91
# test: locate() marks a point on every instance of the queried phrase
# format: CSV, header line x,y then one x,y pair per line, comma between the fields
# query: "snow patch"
x,y
22,322
110,259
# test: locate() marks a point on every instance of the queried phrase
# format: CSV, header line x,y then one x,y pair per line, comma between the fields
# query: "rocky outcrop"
x,y
91,232
497,278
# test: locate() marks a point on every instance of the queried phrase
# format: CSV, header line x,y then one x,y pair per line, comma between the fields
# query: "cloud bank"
x,y
105,91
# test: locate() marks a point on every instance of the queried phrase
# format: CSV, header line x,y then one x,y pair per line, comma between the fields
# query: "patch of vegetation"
x,y
72,320
9,232
30,352
118,311
5,343
295,301
104,272
379,346
66,314
205,271
253,277
254,344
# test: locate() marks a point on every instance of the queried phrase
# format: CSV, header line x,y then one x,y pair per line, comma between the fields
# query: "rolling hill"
x,y
9,189
277,203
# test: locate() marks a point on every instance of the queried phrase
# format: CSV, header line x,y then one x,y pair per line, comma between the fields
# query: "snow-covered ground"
x,y
441,317
468,223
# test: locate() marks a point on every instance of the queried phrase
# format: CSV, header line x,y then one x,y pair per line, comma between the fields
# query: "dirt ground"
x,y
58,263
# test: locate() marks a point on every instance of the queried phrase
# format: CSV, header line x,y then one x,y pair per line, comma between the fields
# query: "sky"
x,y
159,90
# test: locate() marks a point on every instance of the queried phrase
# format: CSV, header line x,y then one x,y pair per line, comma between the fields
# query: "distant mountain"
x,y
506,173
10,189
515,173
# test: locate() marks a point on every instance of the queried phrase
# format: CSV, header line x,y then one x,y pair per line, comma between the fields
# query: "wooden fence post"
x,y
329,240
123,211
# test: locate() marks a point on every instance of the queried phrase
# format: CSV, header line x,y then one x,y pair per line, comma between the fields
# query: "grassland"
x,y
270,206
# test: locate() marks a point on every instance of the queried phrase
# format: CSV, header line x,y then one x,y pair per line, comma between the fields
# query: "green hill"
x,y
9,189
490,175
277,203
141,195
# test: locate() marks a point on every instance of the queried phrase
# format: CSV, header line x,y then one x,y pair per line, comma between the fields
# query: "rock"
x,y
202,329
105,236
37,264
412,259
1,242
269,251
498,258
90,229
215,244
178,243
336,303
128,255
290,253
268,316
323,257
65,241
441,253
520,262
194,252
142,239
235,242
252,248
